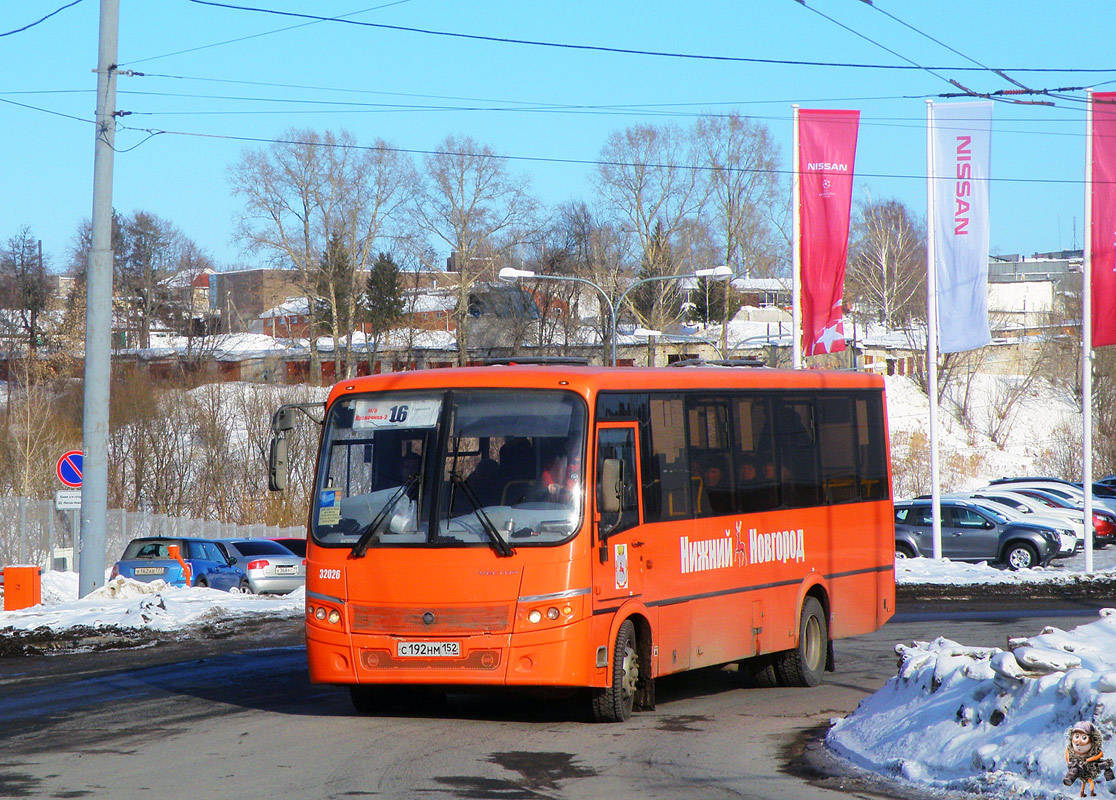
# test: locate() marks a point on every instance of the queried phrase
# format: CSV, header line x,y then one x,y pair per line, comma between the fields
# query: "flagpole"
x,y
1087,339
932,335
796,252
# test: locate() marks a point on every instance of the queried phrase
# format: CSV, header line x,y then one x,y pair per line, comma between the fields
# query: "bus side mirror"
x,y
277,465
612,485
283,420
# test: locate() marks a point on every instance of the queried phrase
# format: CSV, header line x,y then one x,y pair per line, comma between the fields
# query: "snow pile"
x,y
928,571
126,603
986,720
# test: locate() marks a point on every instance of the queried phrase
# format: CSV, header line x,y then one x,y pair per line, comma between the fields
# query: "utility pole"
x,y
98,318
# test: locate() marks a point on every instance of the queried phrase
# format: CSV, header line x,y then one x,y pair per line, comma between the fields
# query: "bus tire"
x,y
614,703
803,666
367,699
760,671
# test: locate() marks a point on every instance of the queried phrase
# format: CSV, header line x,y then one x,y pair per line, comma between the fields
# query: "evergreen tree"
x,y
383,302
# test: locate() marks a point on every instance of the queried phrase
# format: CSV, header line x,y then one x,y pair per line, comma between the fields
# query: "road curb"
x,y
1085,590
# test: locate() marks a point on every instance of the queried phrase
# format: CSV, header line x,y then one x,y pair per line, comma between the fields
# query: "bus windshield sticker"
x,y
397,412
329,506
621,561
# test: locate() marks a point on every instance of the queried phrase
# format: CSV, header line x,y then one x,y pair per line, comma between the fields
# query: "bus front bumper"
x,y
559,656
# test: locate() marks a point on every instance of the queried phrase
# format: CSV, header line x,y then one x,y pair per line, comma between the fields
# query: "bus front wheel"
x,y
614,703
803,666
368,699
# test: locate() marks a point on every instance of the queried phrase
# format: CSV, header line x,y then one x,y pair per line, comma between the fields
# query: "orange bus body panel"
x,y
710,590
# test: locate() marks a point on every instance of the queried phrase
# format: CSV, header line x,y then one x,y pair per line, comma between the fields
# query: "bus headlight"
x,y
552,613
534,616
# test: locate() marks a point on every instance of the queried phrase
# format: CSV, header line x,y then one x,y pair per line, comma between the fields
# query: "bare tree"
x,y
152,248
307,188
650,180
594,250
469,202
886,277
744,198
24,288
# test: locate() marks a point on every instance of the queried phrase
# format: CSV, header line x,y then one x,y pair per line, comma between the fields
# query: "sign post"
x,y
68,471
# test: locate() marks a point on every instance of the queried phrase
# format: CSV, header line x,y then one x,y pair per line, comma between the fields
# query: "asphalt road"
x,y
236,717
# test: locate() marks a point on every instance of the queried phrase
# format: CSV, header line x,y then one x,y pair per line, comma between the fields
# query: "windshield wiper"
x,y
499,544
366,535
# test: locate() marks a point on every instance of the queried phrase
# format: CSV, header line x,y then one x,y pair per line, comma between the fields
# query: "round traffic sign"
x,y
69,469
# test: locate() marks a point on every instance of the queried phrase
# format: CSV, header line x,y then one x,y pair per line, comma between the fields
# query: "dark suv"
x,y
148,559
972,531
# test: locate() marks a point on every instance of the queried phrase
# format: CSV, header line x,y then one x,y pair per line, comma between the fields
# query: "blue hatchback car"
x,y
148,559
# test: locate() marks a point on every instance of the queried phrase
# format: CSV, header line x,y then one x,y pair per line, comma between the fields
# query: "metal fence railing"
x,y
33,532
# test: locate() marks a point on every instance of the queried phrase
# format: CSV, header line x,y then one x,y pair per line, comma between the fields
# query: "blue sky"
x,y
204,78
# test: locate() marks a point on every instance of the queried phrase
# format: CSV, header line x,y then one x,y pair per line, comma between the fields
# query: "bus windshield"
x,y
467,467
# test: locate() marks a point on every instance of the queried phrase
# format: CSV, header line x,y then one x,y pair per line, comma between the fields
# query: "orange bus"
x,y
550,526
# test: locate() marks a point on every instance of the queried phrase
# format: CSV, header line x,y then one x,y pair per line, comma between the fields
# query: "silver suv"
x,y
972,531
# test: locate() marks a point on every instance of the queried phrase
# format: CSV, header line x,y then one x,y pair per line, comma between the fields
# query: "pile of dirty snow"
x,y
986,720
126,603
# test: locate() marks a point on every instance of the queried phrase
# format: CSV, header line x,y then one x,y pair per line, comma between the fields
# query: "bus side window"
x,y
668,451
797,453
837,445
619,443
757,477
871,448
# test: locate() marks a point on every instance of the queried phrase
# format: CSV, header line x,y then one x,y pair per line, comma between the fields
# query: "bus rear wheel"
x,y
760,670
614,703
804,665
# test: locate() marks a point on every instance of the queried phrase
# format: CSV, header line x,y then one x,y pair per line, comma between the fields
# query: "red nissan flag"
x,y
1103,239
826,150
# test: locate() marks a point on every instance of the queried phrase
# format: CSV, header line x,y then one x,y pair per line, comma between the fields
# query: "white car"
x,y
1036,511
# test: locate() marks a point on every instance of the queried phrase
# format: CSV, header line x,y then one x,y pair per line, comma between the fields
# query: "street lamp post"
x,y
511,275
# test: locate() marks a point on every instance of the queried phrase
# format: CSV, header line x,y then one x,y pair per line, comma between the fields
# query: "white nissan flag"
x,y
961,135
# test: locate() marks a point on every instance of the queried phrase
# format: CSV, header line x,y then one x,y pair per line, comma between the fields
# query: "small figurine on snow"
x,y
1085,758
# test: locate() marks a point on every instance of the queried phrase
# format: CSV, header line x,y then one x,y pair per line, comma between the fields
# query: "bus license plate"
x,y
428,649
149,570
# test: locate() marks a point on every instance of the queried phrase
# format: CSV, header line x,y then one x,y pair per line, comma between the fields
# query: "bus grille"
x,y
467,619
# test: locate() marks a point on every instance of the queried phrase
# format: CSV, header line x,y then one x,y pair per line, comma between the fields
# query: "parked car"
x,y
296,546
148,559
974,531
1035,510
271,567
1056,496
1104,498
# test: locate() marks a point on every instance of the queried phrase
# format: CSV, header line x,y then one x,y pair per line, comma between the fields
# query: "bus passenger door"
x,y
620,558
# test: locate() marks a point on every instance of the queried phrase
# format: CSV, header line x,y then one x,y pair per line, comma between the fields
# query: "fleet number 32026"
x,y
329,574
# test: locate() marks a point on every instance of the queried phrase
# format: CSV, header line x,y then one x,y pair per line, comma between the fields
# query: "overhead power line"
x,y
618,50
555,160
260,35
39,21
931,70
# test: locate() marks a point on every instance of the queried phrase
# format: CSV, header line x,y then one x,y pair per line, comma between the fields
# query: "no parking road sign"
x,y
69,469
